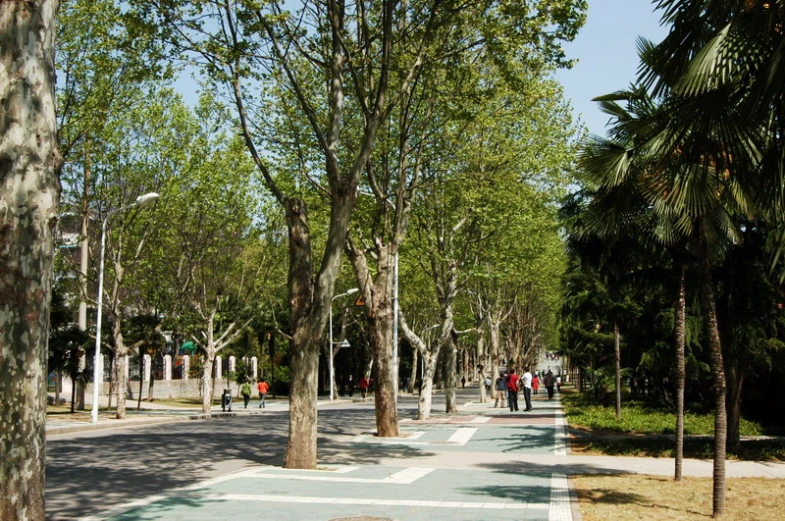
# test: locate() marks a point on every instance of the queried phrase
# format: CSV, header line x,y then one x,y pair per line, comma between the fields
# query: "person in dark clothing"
x,y
501,391
549,381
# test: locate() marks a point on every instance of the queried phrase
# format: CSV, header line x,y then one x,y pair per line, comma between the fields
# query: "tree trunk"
x,y
207,380
450,361
73,394
425,402
29,198
58,385
617,359
413,377
141,380
121,362
271,349
378,296
151,383
681,375
303,396
384,387
112,380
735,387
304,346
481,372
719,385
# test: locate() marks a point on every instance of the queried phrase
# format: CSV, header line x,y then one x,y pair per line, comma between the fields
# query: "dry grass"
x,y
654,498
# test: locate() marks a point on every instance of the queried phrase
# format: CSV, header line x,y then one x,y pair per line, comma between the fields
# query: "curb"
x,y
575,506
91,427
109,424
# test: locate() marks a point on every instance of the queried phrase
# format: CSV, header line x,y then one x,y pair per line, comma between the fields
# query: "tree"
x,y
29,199
211,268
440,94
102,77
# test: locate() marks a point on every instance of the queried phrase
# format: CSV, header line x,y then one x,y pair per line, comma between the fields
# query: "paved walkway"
x,y
482,463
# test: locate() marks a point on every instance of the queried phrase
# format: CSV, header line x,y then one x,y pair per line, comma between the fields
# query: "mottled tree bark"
x,y
121,362
450,380
29,198
378,295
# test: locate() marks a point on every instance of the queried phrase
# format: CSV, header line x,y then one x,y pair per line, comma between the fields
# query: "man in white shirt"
x,y
526,379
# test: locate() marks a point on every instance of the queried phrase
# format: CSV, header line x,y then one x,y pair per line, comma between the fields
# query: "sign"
x,y
345,343
360,301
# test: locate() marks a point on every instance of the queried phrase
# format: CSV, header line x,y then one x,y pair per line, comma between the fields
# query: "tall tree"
x,y
29,199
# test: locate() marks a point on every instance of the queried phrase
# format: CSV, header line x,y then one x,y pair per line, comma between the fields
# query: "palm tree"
x,y
722,64
675,155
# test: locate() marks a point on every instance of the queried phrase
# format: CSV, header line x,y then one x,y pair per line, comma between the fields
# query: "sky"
x,y
605,49
607,55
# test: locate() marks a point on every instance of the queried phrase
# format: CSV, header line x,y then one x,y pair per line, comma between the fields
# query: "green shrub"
x,y
641,418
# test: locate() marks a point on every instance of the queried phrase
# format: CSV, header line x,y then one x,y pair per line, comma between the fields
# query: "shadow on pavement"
x,y
545,469
92,472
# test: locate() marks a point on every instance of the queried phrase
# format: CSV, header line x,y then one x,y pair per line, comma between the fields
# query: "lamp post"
x,y
140,201
332,375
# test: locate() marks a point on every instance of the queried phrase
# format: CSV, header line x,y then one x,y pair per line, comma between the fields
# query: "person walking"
x,y
526,383
463,382
513,386
549,384
535,383
501,391
363,386
262,387
245,390
351,386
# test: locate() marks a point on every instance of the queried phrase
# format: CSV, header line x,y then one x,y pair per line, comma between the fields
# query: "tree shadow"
x,y
135,462
513,492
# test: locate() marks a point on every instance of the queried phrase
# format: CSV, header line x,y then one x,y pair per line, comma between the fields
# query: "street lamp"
x,y
332,375
140,201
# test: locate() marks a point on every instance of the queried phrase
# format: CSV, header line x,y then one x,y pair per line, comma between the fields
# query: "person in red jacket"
x,y
513,386
363,386
535,384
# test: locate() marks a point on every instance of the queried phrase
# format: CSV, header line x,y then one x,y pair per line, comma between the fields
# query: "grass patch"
x,y
639,417
749,450
654,498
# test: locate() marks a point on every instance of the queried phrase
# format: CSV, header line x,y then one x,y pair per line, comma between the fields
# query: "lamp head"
x,y
353,290
146,198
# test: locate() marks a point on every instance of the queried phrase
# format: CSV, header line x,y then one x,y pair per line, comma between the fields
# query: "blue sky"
x,y
608,60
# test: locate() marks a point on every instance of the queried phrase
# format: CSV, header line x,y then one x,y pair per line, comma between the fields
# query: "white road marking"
x,y
481,419
358,501
406,476
462,436
172,493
